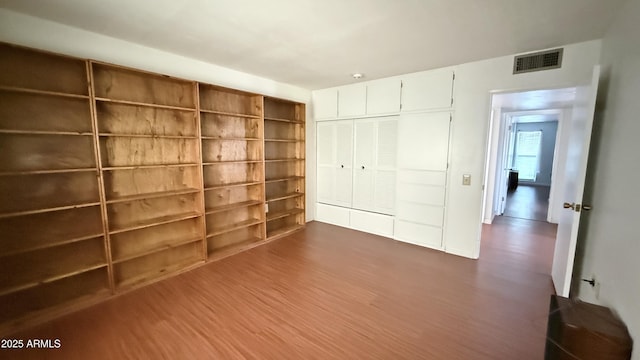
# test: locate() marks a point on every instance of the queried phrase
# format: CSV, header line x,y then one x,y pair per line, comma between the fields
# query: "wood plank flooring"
x,y
528,202
330,293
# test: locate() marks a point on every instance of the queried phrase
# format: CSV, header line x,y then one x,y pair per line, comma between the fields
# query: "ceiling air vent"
x,y
544,60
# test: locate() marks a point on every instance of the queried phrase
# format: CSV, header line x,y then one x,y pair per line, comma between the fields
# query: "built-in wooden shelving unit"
x,y
149,154
233,168
50,208
112,178
284,133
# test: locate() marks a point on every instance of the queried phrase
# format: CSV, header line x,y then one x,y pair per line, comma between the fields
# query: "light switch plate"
x,y
466,179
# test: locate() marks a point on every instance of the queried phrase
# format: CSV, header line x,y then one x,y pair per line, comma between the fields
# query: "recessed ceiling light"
x,y
357,76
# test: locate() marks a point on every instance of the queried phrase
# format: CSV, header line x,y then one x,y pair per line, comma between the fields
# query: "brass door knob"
x,y
586,207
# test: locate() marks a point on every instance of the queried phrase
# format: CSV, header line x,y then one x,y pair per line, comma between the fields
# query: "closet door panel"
x,y
383,97
425,141
428,90
352,100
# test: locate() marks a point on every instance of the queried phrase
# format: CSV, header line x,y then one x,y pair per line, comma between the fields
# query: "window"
x,y
527,154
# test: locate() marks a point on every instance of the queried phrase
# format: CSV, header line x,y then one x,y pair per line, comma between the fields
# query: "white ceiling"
x,y
319,43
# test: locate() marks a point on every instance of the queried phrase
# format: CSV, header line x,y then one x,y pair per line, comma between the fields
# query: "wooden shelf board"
x,y
40,316
136,103
159,249
157,221
43,92
52,245
134,167
51,278
232,162
283,160
250,116
216,209
152,195
283,231
157,274
230,139
285,196
283,120
38,172
39,211
284,179
234,248
235,226
230,185
283,140
150,136
44,132
283,214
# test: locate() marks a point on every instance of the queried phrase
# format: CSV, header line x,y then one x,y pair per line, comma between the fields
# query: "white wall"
x,y
474,84
37,33
611,244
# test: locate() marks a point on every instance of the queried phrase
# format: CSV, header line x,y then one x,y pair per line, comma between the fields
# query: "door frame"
x,y
496,141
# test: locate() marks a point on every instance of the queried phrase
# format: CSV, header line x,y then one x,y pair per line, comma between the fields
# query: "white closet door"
x,y
326,150
383,97
325,104
335,149
352,100
365,144
386,158
424,141
423,148
375,165
428,90
364,164
344,163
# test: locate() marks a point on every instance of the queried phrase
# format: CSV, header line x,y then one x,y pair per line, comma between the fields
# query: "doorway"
x,y
527,142
532,148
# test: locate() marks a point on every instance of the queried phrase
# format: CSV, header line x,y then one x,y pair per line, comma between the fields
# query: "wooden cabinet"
x,y
375,146
335,158
428,90
149,156
352,100
284,134
233,168
112,178
325,104
50,207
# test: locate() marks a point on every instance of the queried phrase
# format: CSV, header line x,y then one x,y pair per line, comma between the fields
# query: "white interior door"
x,y
507,162
574,174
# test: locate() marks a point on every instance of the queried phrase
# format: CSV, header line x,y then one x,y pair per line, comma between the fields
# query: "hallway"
x,y
528,202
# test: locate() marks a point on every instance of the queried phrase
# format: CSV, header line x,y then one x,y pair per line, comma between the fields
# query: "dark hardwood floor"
x,y
528,202
330,293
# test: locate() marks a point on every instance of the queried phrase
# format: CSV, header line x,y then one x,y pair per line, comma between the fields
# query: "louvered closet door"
x,y
326,162
344,163
335,158
363,162
375,165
